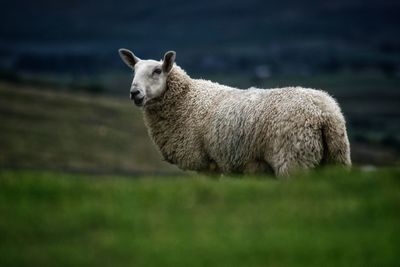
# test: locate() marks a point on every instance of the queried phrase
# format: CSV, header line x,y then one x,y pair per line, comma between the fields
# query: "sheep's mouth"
x,y
138,101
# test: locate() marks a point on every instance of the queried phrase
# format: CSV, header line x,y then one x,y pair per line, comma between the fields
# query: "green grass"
x,y
325,218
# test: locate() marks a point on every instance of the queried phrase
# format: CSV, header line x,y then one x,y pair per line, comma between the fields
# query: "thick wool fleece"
x,y
204,126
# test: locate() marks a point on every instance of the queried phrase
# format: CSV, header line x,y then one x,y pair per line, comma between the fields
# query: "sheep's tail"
x,y
336,142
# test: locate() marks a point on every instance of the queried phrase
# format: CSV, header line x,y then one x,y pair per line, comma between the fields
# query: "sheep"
x,y
207,127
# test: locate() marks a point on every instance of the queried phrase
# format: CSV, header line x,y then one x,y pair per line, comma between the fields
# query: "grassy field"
x,y
325,218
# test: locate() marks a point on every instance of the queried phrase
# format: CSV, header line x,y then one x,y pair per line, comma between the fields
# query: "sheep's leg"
x,y
288,167
285,166
299,152
283,171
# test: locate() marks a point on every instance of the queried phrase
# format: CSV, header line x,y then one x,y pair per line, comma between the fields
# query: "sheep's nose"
x,y
134,93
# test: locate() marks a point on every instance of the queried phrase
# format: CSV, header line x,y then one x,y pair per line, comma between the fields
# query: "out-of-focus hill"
x,y
46,129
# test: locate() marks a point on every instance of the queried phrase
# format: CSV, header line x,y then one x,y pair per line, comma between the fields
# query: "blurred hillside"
x,y
80,132
257,38
42,129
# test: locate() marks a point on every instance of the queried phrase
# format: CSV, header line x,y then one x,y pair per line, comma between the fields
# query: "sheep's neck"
x,y
165,121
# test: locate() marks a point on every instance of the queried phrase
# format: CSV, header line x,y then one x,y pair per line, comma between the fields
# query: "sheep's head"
x,y
150,76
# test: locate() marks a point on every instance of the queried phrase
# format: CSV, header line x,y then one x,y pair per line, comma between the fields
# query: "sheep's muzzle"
x,y
137,98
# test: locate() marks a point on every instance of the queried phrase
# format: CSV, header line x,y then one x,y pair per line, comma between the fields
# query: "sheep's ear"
x,y
169,59
128,57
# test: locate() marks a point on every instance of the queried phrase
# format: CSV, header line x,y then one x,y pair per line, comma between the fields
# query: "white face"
x,y
149,81
150,76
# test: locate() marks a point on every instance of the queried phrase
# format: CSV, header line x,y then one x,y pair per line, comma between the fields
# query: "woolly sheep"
x,y
208,127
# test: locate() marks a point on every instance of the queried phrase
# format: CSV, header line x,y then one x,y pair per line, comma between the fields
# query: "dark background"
x,y
289,37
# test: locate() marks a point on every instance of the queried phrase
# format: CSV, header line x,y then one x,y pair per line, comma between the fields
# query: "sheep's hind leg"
x,y
284,168
287,168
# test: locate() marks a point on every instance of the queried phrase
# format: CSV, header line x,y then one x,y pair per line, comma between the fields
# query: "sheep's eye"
x,y
157,71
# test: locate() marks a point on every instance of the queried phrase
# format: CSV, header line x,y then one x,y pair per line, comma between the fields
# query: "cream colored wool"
x,y
207,127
